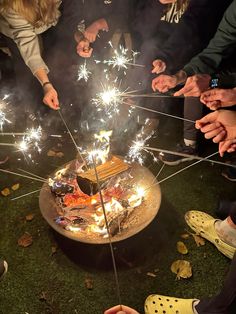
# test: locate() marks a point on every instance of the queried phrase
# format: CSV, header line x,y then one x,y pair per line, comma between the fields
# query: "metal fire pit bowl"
x,y
139,219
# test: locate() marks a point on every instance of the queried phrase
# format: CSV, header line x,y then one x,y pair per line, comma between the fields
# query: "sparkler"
x,y
121,59
135,152
109,235
32,138
3,119
83,72
111,98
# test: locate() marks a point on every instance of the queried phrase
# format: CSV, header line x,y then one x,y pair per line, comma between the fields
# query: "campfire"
x,y
70,202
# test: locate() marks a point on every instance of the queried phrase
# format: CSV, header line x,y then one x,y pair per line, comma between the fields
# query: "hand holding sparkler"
x,y
221,126
195,85
91,32
83,48
163,83
159,66
218,98
50,96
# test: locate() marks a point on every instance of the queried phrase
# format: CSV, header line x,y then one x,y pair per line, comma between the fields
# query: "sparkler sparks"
x,y
122,59
3,119
138,146
32,138
83,72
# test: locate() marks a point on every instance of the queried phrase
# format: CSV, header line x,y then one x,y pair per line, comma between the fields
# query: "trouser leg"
x,y
221,303
192,111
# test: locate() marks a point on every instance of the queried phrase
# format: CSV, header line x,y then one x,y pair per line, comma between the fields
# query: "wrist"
x,y
47,85
181,76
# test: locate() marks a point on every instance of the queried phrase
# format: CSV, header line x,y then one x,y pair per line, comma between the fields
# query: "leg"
x,y
220,304
192,111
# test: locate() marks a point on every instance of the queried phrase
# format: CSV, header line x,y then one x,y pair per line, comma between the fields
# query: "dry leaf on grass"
x,y
151,274
60,154
88,283
199,240
25,240
5,192
182,269
181,248
54,249
29,217
15,186
184,236
52,153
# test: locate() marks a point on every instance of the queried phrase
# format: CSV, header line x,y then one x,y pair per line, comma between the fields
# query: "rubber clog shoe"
x,y
159,304
204,225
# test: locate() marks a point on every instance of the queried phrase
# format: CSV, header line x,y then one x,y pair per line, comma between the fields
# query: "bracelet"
x,y
46,83
214,81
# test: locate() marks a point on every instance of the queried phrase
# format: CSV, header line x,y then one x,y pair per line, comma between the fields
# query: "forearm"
x,y
41,75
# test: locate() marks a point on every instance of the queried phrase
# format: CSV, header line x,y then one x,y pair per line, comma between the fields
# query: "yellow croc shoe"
x,y
160,304
204,225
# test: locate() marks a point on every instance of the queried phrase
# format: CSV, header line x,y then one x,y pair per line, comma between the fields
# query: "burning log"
x,y
109,169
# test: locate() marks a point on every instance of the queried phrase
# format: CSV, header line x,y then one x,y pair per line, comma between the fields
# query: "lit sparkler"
x,y
31,138
83,72
122,59
139,145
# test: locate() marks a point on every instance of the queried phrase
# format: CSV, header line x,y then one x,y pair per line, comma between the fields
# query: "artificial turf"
x,y
50,275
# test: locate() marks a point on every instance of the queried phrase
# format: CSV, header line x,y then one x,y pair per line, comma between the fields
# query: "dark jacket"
x,y
220,48
178,42
115,12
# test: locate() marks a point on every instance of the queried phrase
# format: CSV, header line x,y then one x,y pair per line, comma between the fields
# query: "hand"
x,y
91,32
227,146
163,83
84,49
217,98
117,310
158,66
221,126
195,85
50,97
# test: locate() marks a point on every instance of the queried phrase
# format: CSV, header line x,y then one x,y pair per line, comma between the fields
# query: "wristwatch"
x,y
214,81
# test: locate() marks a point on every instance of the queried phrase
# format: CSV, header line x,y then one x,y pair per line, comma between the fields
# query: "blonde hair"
x,y
36,12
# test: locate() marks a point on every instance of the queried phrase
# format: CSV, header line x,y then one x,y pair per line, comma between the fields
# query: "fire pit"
x,y
71,205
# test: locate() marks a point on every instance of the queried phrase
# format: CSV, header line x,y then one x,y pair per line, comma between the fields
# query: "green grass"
x,y
61,276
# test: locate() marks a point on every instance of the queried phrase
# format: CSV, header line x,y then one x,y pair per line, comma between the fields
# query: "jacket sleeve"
x,y
27,41
219,48
190,35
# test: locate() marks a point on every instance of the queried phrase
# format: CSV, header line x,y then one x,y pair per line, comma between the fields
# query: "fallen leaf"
x,y
60,154
199,240
29,217
5,192
182,269
54,249
25,240
43,296
181,248
15,186
151,274
51,153
88,283
184,236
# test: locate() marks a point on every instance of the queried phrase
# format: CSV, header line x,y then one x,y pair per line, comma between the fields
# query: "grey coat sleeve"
x,y
26,39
